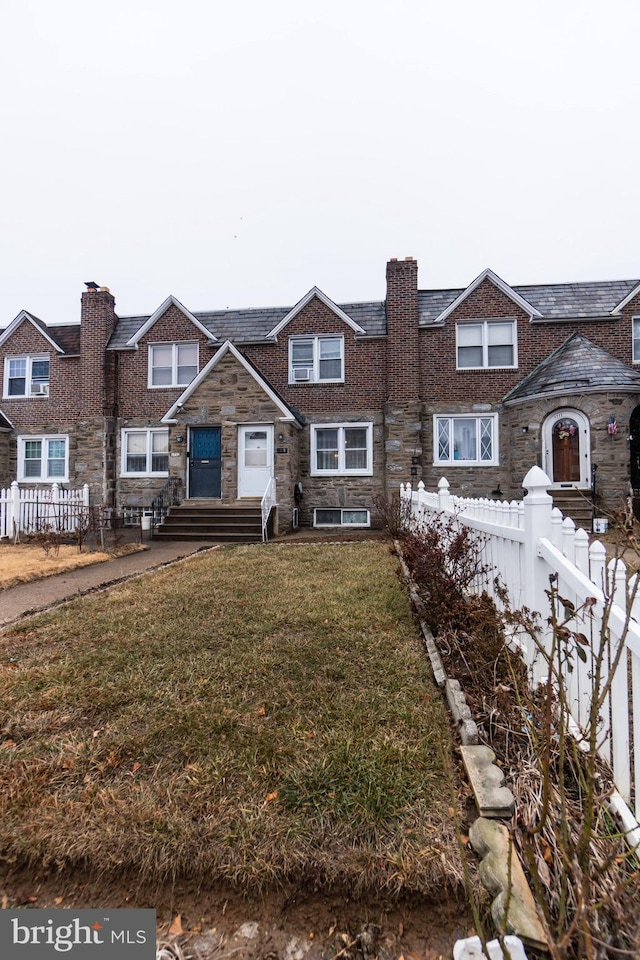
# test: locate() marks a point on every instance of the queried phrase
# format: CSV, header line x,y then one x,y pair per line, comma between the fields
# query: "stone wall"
x,y
87,439
403,445
467,481
6,476
610,454
230,396
354,492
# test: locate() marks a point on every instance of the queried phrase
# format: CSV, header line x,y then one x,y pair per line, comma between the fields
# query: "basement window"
x,y
335,517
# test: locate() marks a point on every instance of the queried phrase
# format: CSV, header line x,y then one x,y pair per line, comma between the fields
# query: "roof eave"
x,y
171,301
17,321
623,303
328,302
565,391
488,274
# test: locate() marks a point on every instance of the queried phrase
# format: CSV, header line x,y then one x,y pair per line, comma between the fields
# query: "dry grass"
x,y
23,563
258,715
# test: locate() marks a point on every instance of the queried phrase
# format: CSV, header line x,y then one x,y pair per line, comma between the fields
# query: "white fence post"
x,y
537,523
444,495
55,507
14,510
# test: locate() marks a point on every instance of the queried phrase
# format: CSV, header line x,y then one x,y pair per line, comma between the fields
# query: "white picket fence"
x,y
25,510
524,543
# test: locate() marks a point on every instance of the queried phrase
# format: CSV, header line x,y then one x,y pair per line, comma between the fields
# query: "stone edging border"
x,y
513,909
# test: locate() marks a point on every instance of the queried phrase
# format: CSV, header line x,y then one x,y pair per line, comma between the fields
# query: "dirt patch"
x,y
291,924
24,563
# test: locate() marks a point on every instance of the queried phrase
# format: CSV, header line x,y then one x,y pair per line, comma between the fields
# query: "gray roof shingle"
x,y
576,365
249,326
67,336
555,301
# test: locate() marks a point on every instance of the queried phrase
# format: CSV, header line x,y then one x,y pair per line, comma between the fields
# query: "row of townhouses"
x,y
340,403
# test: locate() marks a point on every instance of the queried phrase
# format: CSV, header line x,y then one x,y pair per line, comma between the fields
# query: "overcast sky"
x,y
236,154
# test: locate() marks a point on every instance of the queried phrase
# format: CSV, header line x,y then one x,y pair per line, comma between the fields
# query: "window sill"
x,y
475,369
168,386
37,480
25,396
314,383
148,476
466,463
338,473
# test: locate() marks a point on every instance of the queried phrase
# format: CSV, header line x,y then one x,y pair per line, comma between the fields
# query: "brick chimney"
x,y
403,357
97,323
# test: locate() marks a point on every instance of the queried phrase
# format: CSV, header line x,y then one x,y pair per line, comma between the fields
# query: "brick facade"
x,y
400,375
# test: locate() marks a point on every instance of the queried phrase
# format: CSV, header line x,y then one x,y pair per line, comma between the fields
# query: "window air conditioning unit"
x,y
301,373
39,389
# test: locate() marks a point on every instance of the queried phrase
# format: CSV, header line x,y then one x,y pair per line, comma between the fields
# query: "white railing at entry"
x,y
268,503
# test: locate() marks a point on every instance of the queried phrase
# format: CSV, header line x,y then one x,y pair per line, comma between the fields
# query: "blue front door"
x,y
205,462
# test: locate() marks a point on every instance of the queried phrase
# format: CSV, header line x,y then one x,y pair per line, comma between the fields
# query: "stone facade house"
x,y
338,403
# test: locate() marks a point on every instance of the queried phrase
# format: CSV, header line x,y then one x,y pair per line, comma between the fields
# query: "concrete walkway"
x,y
26,598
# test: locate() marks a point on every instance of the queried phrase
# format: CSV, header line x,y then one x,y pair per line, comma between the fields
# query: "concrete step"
x,y
217,523
160,534
211,529
575,504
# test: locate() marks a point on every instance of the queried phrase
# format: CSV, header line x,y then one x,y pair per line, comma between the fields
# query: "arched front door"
x,y
567,453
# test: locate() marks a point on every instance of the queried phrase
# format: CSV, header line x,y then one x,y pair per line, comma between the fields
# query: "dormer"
x,y
171,301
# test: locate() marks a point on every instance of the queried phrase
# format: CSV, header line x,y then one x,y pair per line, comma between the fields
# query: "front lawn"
x,y
26,562
258,715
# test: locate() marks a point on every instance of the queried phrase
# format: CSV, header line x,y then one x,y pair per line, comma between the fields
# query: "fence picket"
x,y
526,543
26,510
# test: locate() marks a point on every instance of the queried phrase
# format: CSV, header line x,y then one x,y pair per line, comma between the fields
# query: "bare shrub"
x,y
395,514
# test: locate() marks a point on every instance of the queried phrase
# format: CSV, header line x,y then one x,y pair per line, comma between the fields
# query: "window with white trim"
x,y
44,459
466,441
337,517
145,453
636,339
316,360
486,343
341,449
26,376
172,364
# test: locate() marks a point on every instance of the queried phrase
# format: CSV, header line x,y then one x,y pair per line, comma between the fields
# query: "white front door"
x,y
255,459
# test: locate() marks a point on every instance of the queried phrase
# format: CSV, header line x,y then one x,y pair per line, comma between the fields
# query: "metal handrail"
x,y
169,496
266,505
